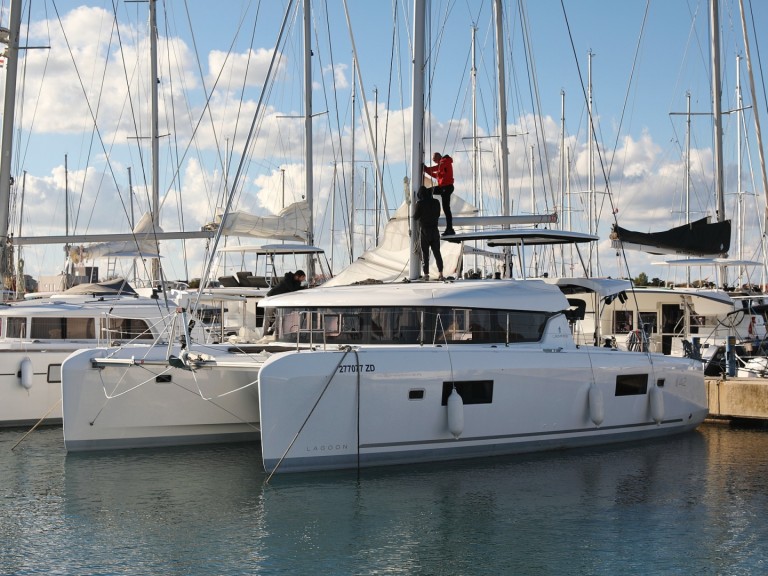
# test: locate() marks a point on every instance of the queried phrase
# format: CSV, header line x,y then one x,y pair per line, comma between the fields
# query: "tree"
x,y
641,280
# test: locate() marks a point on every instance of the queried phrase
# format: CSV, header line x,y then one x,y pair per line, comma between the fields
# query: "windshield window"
x,y
398,325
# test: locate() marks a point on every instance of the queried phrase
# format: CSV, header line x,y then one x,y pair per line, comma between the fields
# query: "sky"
x,y
84,85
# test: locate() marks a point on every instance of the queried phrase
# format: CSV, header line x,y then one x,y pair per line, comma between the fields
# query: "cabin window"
x,y
622,321
631,384
16,327
398,325
127,329
63,328
54,373
649,322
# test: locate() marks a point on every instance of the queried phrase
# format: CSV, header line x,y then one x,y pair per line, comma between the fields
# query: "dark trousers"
x,y
430,238
445,195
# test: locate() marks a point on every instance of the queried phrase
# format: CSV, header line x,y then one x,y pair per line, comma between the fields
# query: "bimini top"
x,y
526,237
496,294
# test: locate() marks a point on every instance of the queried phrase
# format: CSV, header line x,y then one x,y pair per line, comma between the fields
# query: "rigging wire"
x,y
591,121
91,110
340,152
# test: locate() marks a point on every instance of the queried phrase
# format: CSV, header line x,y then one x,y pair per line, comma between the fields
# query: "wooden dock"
x,y
736,398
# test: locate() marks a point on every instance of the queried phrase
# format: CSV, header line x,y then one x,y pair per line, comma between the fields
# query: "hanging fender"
x,y
455,414
25,373
596,404
657,404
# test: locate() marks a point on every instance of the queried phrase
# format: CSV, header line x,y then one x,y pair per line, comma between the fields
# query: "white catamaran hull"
x,y
388,405
144,402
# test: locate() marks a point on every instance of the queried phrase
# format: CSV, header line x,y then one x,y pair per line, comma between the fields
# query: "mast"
x,y
6,250
753,93
716,110
352,176
475,146
155,137
333,216
590,161
376,154
717,122
417,125
308,134
688,170
21,284
562,173
506,209
535,266
739,190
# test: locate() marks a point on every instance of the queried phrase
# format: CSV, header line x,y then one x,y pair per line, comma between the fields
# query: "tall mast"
x,y
756,115
352,176
375,155
6,145
308,134
475,146
155,136
717,121
506,209
716,110
590,162
688,170
739,190
417,124
562,174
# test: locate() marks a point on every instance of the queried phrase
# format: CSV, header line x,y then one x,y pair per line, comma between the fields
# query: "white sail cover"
x,y
388,262
143,245
291,223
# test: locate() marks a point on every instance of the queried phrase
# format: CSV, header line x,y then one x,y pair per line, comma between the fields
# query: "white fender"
x,y
657,404
596,405
455,414
25,372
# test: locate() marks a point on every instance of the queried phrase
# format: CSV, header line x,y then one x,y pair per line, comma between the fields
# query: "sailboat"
x,y
412,372
37,335
193,391
687,320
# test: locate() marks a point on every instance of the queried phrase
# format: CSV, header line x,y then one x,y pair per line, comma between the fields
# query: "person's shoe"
x,y
424,278
449,232
441,278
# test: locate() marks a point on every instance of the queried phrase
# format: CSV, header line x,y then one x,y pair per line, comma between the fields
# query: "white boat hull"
x,y
144,402
386,405
30,395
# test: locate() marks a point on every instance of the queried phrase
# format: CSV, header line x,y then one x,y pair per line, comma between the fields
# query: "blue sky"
x,y
646,56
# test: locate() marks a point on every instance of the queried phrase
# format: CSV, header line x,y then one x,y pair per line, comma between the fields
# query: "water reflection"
x,y
695,502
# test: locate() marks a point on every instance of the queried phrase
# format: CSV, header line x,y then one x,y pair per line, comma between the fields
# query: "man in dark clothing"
x,y
427,212
290,283
443,172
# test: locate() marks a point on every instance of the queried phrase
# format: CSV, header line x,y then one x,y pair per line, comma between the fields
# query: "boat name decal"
x,y
357,368
327,448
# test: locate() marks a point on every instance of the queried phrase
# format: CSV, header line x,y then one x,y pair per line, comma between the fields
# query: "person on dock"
x,y
442,171
427,212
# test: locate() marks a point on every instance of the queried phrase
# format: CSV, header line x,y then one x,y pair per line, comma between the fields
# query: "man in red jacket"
x,y
443,172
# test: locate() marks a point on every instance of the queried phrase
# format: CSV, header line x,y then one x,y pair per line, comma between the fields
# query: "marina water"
x,y
690,504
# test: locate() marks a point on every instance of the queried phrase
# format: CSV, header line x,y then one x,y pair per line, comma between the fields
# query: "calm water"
x,y
694,504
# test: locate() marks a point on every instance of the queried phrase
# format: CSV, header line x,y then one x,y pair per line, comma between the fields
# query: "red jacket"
x,y
443,171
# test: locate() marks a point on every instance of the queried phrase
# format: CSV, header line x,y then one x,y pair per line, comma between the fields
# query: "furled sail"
x,y
143,245
291,223
699,238
388,262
